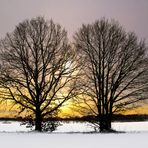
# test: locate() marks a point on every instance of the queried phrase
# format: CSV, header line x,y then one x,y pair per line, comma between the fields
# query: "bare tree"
x,y
114,67
38,69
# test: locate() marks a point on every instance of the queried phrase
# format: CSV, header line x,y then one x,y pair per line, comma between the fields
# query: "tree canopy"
x,y
114,68
38,67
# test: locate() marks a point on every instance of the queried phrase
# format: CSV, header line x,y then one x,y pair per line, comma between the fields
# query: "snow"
x,y
9,126
37,140
75,127
14,136
130,126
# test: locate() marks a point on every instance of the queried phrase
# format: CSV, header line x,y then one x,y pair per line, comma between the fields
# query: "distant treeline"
x,y
116,117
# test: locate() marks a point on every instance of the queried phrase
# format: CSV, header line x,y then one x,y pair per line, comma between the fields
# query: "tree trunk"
x,y
38,121
105,123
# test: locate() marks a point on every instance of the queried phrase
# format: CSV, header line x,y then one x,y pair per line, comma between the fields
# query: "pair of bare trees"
x,y
40,71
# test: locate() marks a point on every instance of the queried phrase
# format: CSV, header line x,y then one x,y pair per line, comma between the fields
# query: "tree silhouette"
x,y
114,68
37,68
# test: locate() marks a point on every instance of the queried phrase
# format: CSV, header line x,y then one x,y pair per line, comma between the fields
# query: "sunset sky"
x,y
71,14
132,14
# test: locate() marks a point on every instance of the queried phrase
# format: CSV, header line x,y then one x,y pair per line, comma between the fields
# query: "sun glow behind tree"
x,y
38,70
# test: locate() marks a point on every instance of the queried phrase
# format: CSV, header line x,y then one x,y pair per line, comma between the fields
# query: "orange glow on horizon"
x,y
66,111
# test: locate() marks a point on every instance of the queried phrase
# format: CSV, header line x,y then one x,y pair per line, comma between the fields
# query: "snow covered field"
x,y
75,127
12,135
36,140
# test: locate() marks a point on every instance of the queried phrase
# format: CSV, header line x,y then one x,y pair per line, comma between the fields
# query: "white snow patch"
x,y
12,126
130,126
75,127
12,135
37,140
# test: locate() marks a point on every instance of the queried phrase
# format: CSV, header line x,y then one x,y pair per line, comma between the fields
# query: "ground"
x,y
36,140
18,137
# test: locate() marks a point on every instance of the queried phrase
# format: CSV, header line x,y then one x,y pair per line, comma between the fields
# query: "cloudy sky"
x,y
132,14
